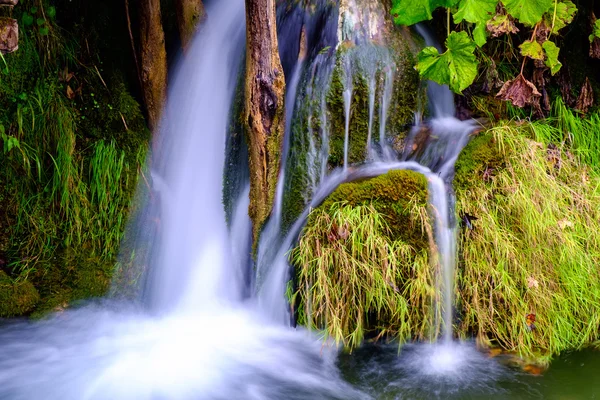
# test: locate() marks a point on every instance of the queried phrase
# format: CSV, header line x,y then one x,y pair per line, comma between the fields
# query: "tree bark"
x,y
264,108
153,59
189,14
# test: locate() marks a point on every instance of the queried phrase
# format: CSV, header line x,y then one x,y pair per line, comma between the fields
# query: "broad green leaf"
x,y
552,52
595,31
528,12
480,34
27,19
565,12
51,12
410,12
40,21
475,11
532,49
457,67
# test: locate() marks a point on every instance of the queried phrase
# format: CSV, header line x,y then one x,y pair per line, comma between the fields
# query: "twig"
x,y
135,58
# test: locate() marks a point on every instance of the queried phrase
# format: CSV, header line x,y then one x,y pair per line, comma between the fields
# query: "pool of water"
x,y
427,372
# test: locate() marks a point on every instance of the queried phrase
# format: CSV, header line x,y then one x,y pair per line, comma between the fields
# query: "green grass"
x,y
71,169
534,248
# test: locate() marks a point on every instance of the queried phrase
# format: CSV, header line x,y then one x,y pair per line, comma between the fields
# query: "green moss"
x,y
16,298
394,195
479,159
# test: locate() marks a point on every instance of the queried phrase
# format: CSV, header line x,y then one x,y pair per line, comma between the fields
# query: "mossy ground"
x,y
78,138
531,251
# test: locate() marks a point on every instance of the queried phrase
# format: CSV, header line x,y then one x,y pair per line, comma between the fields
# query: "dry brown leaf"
x,y
532,282
586,97
563,224
519,91
70,93
501,24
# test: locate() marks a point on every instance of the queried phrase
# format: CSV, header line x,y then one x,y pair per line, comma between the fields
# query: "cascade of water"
x,y
270,238
370,151
347,105
190,165
441,99
386,152
204,341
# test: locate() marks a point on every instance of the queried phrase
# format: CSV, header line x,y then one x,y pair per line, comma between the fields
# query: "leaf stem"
x,y
448,20
554,17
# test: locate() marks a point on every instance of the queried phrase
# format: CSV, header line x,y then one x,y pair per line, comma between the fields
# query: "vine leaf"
x,y
528,12
410,12
457,67
595,38
480,34
532,49
565,12
519,91
552,56
501,24
595,31
477,12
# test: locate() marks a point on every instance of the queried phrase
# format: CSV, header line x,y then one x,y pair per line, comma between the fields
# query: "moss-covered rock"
x,y
370,238
16,298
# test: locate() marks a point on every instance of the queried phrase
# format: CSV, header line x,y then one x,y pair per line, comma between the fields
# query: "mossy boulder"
x,y
363,258
16,298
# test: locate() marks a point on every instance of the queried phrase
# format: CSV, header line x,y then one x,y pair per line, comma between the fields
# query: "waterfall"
x,y
198,337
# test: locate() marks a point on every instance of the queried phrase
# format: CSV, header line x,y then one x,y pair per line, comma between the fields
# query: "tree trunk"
x,y
264,108
189,14
153,59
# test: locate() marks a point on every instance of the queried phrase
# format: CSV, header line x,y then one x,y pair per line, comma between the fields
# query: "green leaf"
x,y
565,12
480,34
33,10
44,31
27,19
532,49
528,12
475,11
51,12
457,67
40,21
552,52
410,12
595,31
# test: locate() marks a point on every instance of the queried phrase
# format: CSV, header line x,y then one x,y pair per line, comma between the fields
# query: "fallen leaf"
x,y
532,283
563,223
70,93
586,97
519,91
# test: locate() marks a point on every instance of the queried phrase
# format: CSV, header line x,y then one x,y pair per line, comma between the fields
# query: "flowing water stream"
x,y
204,329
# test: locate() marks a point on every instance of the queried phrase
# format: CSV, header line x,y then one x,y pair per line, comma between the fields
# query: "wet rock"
x,y
9,35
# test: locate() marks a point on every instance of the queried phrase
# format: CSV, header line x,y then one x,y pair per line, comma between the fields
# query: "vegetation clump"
x,y
362,261
16,298
531,251
73,139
